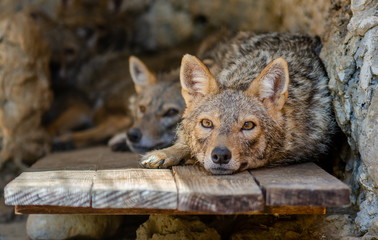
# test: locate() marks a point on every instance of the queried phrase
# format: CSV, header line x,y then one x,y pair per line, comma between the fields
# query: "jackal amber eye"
x,y
248,125
206,123
142,109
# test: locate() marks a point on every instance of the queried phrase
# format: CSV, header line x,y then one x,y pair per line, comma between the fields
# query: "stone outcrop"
x,y
25,93
46,227
350,54
162,227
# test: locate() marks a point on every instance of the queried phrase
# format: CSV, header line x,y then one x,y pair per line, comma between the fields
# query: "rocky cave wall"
x,y
351,57
349,31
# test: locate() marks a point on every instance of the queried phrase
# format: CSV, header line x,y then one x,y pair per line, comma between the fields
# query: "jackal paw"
x,y
158,159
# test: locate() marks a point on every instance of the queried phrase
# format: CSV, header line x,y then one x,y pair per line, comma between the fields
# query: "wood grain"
x,y
283,210
117,160
65,179
99,181
134,188
86,159
59,188
202,192
301,185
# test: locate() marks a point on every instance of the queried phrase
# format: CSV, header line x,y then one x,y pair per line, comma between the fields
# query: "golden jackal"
x,y
156,109
268,104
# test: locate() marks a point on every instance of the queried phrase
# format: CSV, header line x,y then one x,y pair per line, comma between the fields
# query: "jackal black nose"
x,y
221,155
134,135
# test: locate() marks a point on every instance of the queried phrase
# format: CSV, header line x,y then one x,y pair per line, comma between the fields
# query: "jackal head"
x,y
232,129
156,108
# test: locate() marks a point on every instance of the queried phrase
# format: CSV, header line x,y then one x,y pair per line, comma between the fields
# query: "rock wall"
x,y
351,56
24,96
49,226
25,93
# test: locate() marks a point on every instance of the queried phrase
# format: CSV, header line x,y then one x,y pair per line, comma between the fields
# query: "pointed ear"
x,y
272,84
141,75
196,79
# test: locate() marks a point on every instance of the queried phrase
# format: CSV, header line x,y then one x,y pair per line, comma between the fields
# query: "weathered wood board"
x,y
303,184
95,158
98,181
57,188
134,188
65,179
202,192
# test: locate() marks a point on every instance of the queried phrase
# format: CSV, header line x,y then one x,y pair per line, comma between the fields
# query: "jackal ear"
x,y
272,83
196,79
141,75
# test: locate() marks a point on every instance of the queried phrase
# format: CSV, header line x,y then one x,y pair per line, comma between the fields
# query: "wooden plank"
x,y
65,179
59,188
143,211
202,192
134,188
86,159
74,180
301,185
117,160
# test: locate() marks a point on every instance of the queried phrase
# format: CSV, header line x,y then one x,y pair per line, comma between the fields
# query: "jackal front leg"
x,y
167,157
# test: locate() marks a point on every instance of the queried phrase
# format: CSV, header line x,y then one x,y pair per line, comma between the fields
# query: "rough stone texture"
x,y
15,230
159,227
25,94
46,227
303,16
350,54
293,227
168,22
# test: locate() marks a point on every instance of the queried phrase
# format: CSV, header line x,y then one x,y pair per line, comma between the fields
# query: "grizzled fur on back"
x,y
287,120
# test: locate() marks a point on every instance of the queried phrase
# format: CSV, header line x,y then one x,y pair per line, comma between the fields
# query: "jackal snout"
x,y
134,135
221,155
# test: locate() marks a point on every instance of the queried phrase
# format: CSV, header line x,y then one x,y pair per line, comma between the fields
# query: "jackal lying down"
x,y
268,104
156,109
113,92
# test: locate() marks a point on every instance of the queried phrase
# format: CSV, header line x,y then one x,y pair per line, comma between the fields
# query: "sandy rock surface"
x,y
48,227
172,228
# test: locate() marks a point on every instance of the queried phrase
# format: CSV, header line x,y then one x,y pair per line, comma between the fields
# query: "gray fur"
x,y
305,130
157,130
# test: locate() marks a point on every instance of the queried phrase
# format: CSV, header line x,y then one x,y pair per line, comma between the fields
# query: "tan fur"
x,y
200,71
156,108
150,77
270,105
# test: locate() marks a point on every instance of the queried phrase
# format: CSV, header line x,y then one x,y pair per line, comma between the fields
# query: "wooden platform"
x,y
98,181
